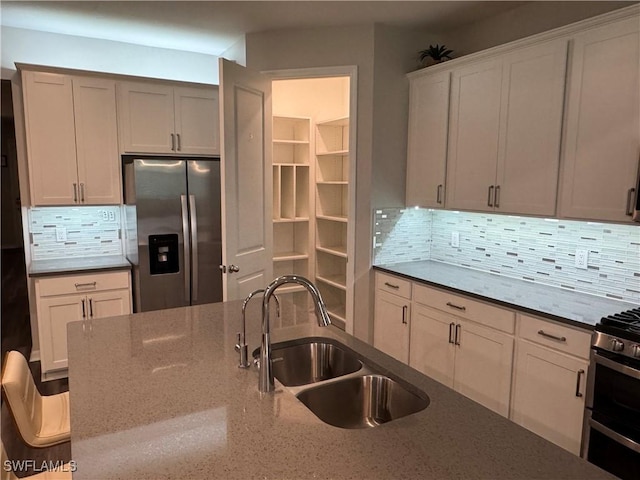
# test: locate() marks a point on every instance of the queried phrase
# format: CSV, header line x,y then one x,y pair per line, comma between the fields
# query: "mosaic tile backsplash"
x,y
62,232
531,249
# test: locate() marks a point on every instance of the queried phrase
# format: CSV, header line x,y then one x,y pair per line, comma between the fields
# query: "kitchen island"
x,y
159,395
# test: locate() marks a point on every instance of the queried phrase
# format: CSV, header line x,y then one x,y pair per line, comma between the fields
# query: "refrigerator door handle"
x,y
186,246
194,247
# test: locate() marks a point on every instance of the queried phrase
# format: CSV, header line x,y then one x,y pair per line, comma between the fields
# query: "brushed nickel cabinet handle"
x,y
490,196
391,285
457,307
452,326
630,193
439,195
496,198
85,285
578,392
458,332
91,307
84,311
552,337
179,143
404,314
173,142
75,193
82,192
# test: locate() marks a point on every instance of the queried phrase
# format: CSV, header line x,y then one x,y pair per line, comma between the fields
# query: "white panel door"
x,y
51,143
427,147
484,358
549,394
531,122
473,133
109,304
602,139
245,118
146,118
54,313
432,350
197,122
391,325
94,105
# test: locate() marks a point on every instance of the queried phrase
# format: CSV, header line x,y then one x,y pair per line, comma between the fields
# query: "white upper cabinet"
x,y
506,116
473,135
156,118
94,104
530,129
72,144
602,136
427,148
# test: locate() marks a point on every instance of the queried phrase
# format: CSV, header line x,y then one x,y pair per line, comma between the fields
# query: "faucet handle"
x,y
237,347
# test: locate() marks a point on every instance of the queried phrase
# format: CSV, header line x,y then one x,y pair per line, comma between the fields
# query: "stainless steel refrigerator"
x,y
173,230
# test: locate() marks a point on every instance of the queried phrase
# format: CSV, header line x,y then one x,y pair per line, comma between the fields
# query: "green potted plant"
x,y
438,53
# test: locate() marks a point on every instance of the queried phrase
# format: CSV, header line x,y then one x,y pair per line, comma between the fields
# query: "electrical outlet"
x,y
455,239
61,234
112,216
105,215
582,258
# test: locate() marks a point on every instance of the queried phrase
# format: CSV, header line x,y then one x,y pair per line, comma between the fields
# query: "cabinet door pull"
x,y
82,193
552,337
496,198
490,196
458,332
173,142
179,145
84,310
91,307
75,193
439,194
580,373
630,201
404,314
391,285
85,285
457,307
451,328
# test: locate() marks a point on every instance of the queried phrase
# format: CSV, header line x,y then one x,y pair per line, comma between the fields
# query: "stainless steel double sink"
x,y
338,385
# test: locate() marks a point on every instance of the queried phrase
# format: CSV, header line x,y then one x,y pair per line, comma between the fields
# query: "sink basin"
x,y
361,402
310,362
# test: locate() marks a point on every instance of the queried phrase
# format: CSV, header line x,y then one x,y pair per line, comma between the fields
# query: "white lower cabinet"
x,y
469,345
65,299
473,359
549,383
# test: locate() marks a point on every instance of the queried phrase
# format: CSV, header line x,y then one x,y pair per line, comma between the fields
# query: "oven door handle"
x,y
607,432
618,367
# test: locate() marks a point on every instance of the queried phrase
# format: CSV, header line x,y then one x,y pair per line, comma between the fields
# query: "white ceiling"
x,y
211,27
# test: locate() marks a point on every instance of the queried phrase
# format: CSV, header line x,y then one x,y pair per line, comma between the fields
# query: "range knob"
x,y
616,345
635,351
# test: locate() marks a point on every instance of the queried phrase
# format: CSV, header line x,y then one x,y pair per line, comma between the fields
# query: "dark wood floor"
x,y
16,335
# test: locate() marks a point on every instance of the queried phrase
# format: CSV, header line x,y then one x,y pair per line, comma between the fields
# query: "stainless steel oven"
x,y
612,415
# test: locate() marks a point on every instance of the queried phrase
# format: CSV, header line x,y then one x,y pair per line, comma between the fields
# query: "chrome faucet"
x,y
265,381
241,346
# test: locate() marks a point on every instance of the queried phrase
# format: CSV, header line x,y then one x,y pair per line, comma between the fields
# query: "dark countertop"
x,y
574,308
158,395
65,266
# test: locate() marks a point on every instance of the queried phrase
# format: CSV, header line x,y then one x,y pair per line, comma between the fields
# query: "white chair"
x,y
7,473
41,420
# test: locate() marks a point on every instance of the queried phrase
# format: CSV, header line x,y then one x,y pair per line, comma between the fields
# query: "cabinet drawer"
x,y
554,335
392,284
86,282
465,307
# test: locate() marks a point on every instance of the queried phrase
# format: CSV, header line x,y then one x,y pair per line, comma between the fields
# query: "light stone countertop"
x,y
65,266
574,308
158,395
